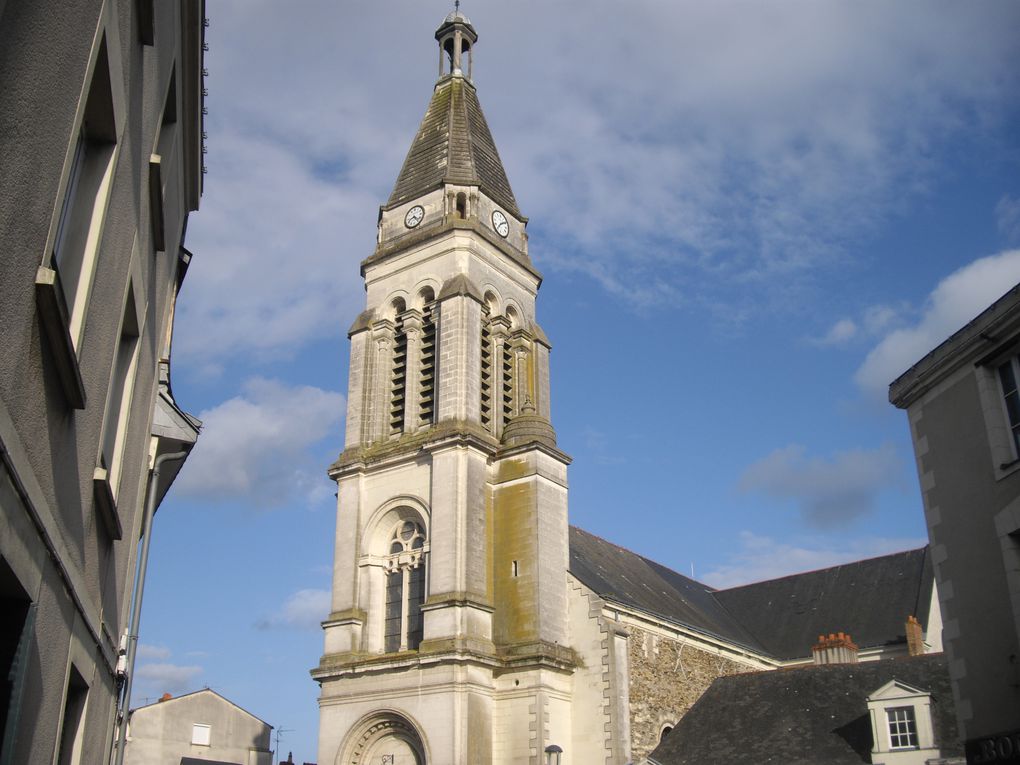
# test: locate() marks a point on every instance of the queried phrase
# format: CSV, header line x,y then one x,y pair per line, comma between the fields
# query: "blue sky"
x,y
750,216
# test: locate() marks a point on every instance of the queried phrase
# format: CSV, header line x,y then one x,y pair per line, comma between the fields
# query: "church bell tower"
x,y
448,640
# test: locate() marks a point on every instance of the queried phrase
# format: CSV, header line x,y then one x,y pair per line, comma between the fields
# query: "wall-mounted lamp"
x,y
553,754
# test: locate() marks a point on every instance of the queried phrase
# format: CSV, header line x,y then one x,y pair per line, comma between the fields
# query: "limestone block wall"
x,y
667,675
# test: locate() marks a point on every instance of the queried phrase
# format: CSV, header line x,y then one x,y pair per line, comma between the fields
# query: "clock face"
x,y
500,223
414,216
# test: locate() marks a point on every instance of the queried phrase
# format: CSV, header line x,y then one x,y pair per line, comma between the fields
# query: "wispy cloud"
x,y
955,301
146,651
840,333
827,493
719,158
1007,215
305,609
167,677
761,557
256,447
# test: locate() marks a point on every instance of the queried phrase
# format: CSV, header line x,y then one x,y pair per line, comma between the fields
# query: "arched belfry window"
x,y
405,586
486,356
427,376
399,377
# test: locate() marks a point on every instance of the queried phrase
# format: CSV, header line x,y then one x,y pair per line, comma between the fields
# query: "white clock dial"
x,y
500,223
414,216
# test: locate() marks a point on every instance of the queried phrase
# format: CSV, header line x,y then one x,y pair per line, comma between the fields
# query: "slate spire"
x,y
453,143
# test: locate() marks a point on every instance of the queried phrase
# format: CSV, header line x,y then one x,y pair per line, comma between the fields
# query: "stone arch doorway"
x,y
385,738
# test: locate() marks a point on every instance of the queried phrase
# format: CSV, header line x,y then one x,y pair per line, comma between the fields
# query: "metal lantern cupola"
x,y
457,39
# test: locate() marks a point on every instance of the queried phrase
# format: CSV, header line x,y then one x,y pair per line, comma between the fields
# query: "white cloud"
x,y
305,609
720,149
761,557
840,333
828,493
145,651
1007,215
955,301
257,447
166,677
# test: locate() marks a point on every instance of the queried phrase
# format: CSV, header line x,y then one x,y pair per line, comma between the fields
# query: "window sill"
x,y
106,505
49,301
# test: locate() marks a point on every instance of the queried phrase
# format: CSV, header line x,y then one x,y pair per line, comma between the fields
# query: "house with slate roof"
x,y
897,712
469,622
668,637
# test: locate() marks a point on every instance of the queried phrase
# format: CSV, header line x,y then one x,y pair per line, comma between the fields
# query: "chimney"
x,y
915,637
837,648
165,697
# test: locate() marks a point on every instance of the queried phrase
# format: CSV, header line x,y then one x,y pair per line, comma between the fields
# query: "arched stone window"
x,y
405,586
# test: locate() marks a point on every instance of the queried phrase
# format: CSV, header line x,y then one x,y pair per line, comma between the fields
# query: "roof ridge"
x,y
824,568
458,103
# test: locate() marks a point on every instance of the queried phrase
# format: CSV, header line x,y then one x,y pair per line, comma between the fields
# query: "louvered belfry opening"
x,y
398,383
426,401
486,397
508,383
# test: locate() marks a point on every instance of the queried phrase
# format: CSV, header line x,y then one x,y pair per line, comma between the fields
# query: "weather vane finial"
x,y
456,5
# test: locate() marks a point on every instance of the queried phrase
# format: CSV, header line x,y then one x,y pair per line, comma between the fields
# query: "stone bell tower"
x,y
448,638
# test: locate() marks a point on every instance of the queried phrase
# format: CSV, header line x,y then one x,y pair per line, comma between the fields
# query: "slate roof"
x,y
869,599
811,715
454,145
782,618
630,579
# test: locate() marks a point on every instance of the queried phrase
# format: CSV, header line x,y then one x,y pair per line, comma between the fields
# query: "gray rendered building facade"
x,y
100,164
964,413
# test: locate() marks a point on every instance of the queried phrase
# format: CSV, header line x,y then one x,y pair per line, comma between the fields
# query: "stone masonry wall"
x,y
666,677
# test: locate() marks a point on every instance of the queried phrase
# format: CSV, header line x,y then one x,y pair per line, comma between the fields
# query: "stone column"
x,y
523,383
382,369
358,386
457,392
542,392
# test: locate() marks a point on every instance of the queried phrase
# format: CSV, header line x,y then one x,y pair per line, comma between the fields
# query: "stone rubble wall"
x,y
666,677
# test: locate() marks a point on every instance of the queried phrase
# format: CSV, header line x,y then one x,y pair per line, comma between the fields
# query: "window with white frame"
x,y
1009,374
902,728
405,587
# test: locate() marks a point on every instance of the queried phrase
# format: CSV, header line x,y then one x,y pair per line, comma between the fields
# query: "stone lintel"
x,y
363,322
457,599
347,616
334,666
539,653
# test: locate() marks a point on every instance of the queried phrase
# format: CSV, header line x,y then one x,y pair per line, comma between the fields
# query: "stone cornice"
x,y
410,445
446,225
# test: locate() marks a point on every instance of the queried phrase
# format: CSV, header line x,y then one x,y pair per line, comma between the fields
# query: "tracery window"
x,y
405,587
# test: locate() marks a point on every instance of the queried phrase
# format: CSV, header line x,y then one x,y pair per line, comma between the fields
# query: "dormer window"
x,y
901,725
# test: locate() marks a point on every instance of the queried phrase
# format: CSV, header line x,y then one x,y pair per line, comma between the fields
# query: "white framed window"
x,y
902,728
201,734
